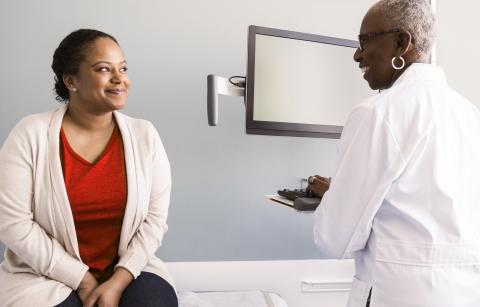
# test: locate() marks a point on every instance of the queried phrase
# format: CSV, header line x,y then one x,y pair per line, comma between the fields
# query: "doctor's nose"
x,y
357,56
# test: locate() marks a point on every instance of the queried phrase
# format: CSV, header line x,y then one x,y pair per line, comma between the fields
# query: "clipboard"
x,y
304,204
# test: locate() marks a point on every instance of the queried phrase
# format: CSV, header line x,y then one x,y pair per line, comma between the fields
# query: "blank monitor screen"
x,y
301,84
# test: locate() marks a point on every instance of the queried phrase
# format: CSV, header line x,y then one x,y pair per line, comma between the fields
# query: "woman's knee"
x,y
149,290
71,301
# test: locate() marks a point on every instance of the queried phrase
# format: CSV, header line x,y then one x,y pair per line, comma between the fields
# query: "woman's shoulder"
x,y
139,131
34,124
28,135
135,125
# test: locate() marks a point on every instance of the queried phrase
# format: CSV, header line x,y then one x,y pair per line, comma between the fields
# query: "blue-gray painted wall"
x,y
220,175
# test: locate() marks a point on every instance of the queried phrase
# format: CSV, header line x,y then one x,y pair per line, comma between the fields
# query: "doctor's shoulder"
x,y
358,115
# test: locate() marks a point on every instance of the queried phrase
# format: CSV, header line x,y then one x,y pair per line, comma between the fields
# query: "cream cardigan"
x,y
42,263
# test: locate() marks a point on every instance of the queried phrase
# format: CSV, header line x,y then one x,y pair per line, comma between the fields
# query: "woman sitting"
x,y
84,191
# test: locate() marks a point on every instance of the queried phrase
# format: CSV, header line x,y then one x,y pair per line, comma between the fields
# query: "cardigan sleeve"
x,y
149,234
19,231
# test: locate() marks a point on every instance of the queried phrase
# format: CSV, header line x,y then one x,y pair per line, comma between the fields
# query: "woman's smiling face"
x,y
101,84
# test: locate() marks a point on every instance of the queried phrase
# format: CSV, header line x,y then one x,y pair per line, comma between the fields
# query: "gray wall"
x,y
220,175
458,45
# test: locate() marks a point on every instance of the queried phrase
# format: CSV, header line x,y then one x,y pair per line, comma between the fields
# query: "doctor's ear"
x,y
404,42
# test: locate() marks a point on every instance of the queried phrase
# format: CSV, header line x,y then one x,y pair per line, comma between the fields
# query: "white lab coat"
x,y
405,198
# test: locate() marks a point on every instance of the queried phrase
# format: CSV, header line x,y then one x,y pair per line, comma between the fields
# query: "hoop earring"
x,y
398,67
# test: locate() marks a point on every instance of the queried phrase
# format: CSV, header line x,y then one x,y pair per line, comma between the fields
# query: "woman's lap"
x,y
147,290
151,290
71,301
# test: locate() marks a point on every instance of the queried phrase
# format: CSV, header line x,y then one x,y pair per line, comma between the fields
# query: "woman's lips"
x,y
115,91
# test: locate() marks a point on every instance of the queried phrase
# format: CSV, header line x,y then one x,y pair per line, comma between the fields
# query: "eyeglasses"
x,y
365,37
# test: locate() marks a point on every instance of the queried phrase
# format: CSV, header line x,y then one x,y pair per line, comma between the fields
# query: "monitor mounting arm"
x,y
218,85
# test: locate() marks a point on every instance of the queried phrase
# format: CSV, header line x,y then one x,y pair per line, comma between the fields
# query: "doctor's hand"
x,y
318,185
108,294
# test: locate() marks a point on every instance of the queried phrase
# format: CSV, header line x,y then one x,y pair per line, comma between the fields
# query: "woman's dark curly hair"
x,y
68,56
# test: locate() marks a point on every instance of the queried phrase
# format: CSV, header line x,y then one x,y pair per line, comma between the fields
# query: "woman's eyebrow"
x,y
107,62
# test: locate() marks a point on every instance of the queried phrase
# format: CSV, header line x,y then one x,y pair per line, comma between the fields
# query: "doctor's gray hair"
x,y
414,16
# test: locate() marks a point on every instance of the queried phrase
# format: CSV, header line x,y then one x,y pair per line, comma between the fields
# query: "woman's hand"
x,y
86,287
318,185
108,294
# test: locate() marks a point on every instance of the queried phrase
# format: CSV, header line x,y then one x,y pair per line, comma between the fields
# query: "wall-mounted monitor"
x,y
300,84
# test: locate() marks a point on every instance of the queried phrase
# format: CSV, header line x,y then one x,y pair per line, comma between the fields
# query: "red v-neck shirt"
x,y
98,194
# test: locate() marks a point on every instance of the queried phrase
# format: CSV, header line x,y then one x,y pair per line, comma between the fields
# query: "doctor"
x,y
405,198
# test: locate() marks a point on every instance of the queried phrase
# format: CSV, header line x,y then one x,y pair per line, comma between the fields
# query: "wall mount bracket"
x,y
217,85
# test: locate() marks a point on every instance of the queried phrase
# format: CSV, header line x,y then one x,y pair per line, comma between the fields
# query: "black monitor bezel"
x,y
282,128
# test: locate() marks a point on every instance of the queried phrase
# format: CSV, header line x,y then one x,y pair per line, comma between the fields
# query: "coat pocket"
x,y
404,285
